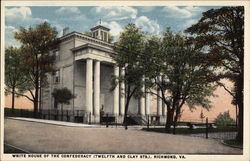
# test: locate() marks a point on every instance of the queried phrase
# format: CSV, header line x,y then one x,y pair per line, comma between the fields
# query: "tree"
x,y
220,34
88,34
110,38
62,96
15,75
175,69
224,119
36,44
129,49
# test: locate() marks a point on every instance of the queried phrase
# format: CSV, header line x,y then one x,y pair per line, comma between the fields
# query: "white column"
x,y
142,99
122,94
159,101
116,92
163,108
97,88
89,85
148,102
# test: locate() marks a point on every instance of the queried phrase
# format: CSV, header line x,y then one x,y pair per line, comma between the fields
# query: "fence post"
x,y
107,124
90,118
206,128
115,122
126,122
77,116
174,128
21,112
61,115
67,115
148,122
57,114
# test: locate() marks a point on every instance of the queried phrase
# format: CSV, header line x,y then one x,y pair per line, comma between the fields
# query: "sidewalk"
x,y
39,137
70,124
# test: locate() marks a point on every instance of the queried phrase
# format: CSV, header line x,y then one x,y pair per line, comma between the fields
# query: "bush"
x,y
18,113
62,96
224,119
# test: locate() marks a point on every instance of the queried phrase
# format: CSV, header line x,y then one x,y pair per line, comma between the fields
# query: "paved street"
x,y
218,135
49,138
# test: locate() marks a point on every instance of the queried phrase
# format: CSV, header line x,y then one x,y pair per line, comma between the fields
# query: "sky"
x,y
151,19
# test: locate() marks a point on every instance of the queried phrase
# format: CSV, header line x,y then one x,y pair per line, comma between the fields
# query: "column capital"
x,y
97,60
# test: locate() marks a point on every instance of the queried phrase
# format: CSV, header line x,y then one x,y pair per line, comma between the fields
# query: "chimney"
x,y
65,31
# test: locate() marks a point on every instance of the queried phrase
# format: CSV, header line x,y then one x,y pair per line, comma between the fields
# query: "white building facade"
x,y
85,66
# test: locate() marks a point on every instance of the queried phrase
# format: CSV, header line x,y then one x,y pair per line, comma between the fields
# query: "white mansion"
x,y
84,65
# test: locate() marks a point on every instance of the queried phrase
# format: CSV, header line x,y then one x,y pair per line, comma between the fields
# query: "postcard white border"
x,y
246,4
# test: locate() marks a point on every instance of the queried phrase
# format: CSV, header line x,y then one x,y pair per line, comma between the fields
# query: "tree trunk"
x,y
36,103
13,100
240,124
36,99
169,120
125,115
40,99
177,113
129,95
239,99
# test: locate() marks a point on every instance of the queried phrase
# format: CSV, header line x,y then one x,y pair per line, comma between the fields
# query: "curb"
x,y
14,147
233,146
76,124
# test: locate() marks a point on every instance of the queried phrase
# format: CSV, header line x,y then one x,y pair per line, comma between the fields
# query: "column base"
x,y
119,119
163,120
93,119
96,119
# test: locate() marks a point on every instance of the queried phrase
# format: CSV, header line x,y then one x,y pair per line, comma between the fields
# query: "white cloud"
x,y
68,10
9,36
147,25
116,13
15,18
189,23
21,16
18,12
115,28
147,8
182,12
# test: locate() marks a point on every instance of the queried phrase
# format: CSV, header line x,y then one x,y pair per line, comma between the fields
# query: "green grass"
x,y
191,131
234,143
18,113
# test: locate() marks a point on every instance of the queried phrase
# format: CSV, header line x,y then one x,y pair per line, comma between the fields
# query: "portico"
x,y
86,67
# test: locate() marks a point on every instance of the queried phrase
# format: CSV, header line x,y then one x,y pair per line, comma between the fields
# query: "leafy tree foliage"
x,y
15,75
176,70
220,35
62,96
88,34
224,119
129,49
36,44
110,38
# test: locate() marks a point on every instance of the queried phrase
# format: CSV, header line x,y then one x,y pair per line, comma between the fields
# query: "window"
x,y
102,35
105,36
56,54
55,104
57,77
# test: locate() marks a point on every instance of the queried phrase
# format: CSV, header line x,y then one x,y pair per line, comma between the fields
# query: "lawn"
x,y
192,131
